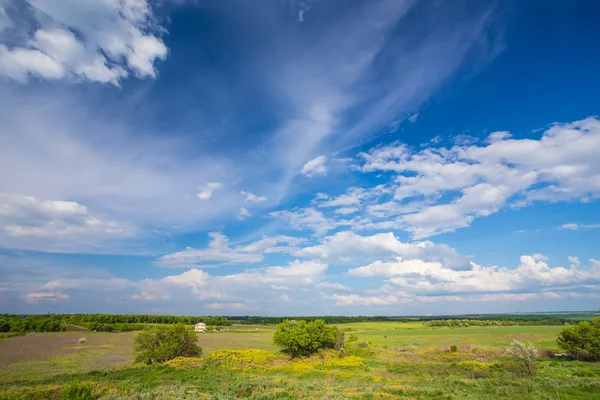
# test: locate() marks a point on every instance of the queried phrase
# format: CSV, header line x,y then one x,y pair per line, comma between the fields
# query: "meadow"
x,y
391,360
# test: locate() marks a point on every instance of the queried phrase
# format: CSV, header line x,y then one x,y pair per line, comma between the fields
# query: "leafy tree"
x,y
161,343
304,338
577,339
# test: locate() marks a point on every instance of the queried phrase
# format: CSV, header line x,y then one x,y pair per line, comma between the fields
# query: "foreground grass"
x,y
454,376
403,360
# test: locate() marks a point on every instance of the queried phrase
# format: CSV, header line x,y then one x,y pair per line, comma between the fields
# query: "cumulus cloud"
x,y
433,278
347,246
208,190
560,166
102,41
316,166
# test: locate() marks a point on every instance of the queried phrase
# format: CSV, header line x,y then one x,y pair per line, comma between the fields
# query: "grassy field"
x,y
398,360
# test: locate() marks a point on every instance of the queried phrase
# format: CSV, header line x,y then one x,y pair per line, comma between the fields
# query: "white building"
x,y
200,327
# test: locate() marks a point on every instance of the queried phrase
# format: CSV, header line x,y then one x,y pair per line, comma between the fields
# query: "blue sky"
x,y
299,157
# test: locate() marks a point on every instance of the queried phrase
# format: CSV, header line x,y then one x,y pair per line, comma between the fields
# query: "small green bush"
x,y
524,354
453,348
301,338
160,343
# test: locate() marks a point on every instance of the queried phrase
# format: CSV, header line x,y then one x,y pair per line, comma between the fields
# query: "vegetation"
x,y
465,323
162,343
581,339
97,322
381,360
524,354
305,338
453,348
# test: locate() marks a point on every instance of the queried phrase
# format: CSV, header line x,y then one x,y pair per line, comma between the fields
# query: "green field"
x,y
399,360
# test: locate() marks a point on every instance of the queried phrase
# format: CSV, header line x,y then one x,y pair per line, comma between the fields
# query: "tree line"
x,y
98,322
459,323
331,319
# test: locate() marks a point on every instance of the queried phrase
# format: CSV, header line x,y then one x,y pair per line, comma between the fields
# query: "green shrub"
x,y
160,343
582,338
524,354
78,391
304,338
453,348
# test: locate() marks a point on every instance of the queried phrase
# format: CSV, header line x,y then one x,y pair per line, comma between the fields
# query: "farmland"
x,y
399,359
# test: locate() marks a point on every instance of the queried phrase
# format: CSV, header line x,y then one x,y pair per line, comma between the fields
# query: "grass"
x,y
404,360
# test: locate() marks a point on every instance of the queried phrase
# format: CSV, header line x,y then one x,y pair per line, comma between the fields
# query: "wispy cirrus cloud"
x,y
576,227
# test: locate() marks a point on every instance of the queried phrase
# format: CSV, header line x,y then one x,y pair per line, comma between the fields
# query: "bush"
x,y
304,338
453,348
162,343
581,339
524,354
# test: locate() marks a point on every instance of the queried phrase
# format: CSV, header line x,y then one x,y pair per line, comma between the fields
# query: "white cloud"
x,y
297,273
575,261
219,250
346,210
344,247
208,190
114,39
30,223
413,118
36,297
498,136
253,197
576,227
333,286
432,278
305,218
561,166
243,214
316,166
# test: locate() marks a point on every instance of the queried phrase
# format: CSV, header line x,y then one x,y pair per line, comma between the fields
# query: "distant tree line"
x,y
253,320
459,323
97,322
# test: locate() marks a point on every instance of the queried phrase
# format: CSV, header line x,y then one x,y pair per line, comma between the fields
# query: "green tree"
x,y
582,337
300,338
161,343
